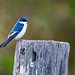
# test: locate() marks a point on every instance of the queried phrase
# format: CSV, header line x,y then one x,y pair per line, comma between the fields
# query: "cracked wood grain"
x,y
41,57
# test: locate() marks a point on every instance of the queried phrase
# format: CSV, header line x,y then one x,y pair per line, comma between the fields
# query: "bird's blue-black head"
x,y
23,19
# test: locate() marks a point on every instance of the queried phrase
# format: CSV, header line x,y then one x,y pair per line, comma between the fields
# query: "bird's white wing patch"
x,y
12,34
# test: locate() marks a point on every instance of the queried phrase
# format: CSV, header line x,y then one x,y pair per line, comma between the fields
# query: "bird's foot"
x,y
19,39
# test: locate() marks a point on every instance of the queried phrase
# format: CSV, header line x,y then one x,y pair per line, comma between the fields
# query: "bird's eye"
x,y
23,20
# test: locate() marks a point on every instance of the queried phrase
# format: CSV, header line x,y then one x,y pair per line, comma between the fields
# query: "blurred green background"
x,y
49,20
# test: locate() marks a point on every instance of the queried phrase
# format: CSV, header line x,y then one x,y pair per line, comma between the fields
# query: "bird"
x,y
17,31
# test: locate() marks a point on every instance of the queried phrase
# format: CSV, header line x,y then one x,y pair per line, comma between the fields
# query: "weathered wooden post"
x,y
35,57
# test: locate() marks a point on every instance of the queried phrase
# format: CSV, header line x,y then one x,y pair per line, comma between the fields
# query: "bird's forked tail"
x,y
6,42
3,45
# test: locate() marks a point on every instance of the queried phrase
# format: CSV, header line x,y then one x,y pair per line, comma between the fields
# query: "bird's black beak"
x,y
27,20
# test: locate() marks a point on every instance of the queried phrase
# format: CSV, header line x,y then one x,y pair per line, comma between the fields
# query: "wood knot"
x,y
22,51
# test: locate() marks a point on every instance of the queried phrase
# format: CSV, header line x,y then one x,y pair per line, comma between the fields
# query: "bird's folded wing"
x,y
12,33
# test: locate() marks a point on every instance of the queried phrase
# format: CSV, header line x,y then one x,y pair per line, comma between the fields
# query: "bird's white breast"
x,y
22,32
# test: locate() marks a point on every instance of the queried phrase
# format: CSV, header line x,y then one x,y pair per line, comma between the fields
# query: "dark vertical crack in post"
x,y
34,56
